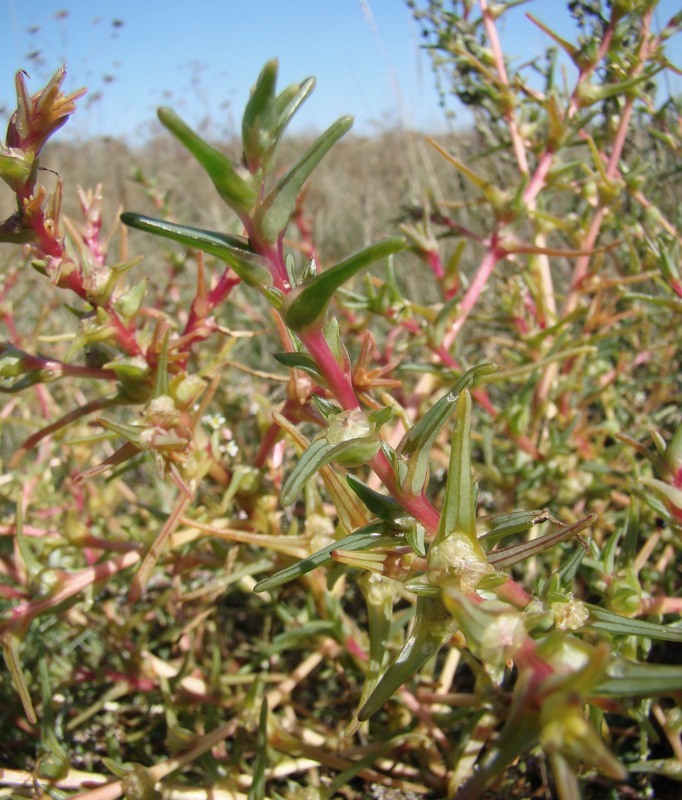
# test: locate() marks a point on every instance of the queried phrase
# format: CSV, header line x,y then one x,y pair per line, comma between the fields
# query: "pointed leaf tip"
x,y
233,250
274,213
260,116
308,302
232,187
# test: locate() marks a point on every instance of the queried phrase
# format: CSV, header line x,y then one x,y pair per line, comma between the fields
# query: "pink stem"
x,y
73,584
485,269
515,135
338,380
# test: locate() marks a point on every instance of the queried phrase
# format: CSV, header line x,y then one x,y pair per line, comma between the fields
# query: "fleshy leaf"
x,y
381,505
373,535
417,442
308,302
274,213
433,626
459,512
628,678
601,619
321,452
233,189
233,250
257,790
520,552
16,166
260,117
510,524
11,643
266,116
350,511
301,361
288,103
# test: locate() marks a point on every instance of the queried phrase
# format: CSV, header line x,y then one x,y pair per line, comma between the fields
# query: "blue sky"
x,y
202,56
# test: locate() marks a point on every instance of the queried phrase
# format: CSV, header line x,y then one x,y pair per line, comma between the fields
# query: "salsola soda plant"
x,y
300,531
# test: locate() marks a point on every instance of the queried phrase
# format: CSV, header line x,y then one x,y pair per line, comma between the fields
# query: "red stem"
x,y
340,383
485,269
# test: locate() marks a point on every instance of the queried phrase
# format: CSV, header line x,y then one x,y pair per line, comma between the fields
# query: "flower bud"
x,y
16,166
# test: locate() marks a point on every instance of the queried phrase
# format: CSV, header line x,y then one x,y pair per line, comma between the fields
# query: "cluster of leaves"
x,y
171,606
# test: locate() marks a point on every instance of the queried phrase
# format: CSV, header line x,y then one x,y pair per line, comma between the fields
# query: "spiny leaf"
x,y
571,50
233,189
307,303
233,250
274,213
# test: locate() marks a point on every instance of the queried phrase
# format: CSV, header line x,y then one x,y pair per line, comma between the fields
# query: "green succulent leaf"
x,y
671,303
459,512
508,556
300,638
504,525
628,678
232,187
376,534
315,456
288,103
233,250
273,214
267,115
257,789
31,563
308,302
417,442
433,626
601,619
301,361
415,534
381,505
260,117
16,166
567,571
321,452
